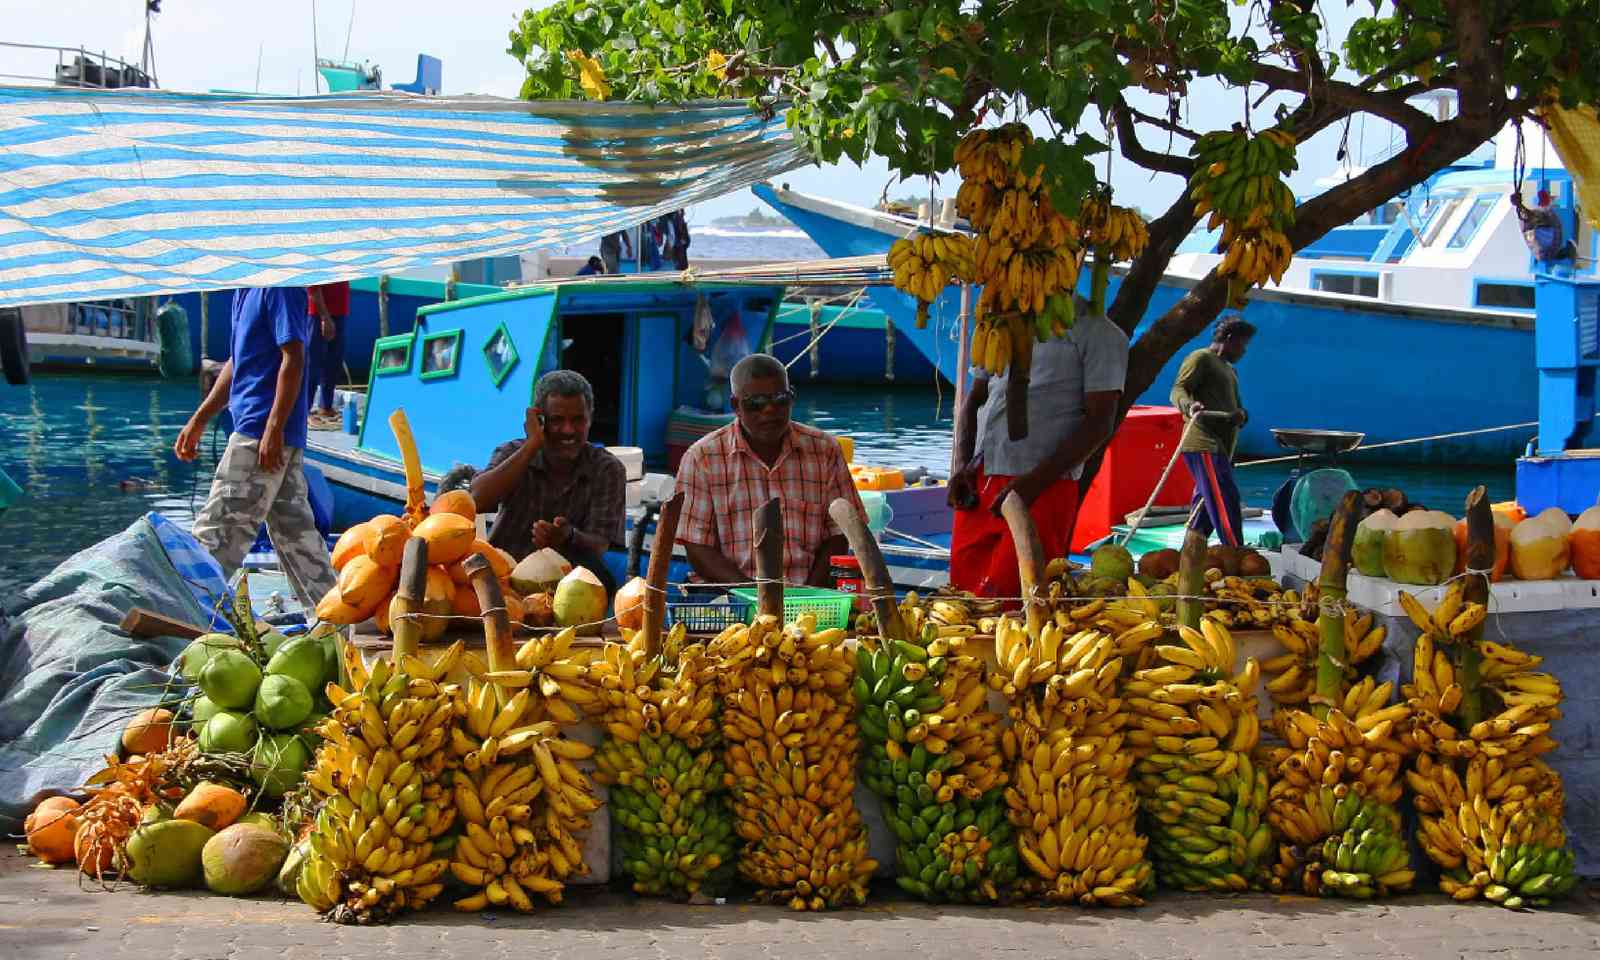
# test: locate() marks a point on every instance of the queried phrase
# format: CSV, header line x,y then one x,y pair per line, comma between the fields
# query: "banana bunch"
x,y
1510,852
1257,255
1024,278
1117,232
933,757
791,756
1251,602
662,765
1364,854
996,343
377,845
925,264
1070,798
993,157
1195,726
1239,178
1293,673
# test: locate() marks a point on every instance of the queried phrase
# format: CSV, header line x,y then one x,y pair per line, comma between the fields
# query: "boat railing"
x,y
73,67
110,319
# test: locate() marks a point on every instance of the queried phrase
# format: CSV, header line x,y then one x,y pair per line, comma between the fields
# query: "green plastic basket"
x,y
832,608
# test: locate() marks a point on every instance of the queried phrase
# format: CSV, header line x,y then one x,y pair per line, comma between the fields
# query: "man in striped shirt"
x,y
762,454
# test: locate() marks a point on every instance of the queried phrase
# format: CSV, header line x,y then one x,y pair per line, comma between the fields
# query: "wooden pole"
x,y
1331,589
655,591
408,598
874,571
1480,556
496,625
1192,578
769,558
1030,560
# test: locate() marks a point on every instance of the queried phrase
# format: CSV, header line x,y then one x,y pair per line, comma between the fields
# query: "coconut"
x,y
1366,548
536,610
1420,548
629,604
539,572
580,598
289,873
283,702
271,638
303,660
230,679
1503,523
1160,564
278,762
228,732
1112,561
1539,545
242,859
167,853
199,652
201,710
1584,544
351,543
1253,564
148,732
260,818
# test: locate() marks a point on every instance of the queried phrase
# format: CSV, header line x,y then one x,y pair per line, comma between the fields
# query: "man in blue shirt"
x,y
260,476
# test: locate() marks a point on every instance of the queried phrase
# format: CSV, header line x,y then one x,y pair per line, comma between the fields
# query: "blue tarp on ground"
x,y
69,677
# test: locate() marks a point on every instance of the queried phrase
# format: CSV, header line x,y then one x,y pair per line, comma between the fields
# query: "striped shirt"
x,y
724,481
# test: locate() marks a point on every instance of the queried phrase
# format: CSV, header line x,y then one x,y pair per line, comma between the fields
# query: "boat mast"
x,y
316,75
147,60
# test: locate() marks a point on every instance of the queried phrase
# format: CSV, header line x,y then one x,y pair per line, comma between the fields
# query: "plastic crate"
x,y
832,608
709,617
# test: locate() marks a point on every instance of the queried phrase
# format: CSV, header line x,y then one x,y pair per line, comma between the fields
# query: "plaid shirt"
x,y
723,482
593,501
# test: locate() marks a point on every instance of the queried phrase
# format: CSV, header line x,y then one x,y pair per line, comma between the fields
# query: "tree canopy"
x,y
905,79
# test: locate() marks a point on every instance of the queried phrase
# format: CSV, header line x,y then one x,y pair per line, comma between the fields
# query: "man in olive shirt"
x,y
1207,391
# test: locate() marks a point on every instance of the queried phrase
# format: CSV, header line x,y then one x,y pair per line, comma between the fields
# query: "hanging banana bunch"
x,y
1195,727
1240,184
1118,232
520,794
661,761
1490,808
1292,675
923,265
1070,797
788,718
378,845
933,757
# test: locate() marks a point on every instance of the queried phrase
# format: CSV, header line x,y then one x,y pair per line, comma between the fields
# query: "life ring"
x,y
13,347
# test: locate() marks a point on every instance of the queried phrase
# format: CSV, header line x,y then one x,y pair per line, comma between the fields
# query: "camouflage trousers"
x,y
243,496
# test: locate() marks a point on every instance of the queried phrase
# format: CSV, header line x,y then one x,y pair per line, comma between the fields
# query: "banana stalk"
x,y
408,598
1330,617
416,496
1480,556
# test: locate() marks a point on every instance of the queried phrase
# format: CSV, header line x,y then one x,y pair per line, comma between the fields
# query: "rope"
x,y
1400,443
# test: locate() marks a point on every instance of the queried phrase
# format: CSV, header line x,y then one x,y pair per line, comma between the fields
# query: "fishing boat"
x,y
1393,331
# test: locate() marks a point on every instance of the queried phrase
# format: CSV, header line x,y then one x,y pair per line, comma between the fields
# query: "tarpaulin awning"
x,y
111,193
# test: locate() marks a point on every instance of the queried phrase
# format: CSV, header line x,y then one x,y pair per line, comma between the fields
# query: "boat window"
x,y
500,353
392,355
1473,220
1355,284
1515,296
441,354
1441,215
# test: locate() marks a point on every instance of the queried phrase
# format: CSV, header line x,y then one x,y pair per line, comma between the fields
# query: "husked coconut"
x,y
1366,548
539,572
1539,545
580,598
630,604
1584,544
1420,548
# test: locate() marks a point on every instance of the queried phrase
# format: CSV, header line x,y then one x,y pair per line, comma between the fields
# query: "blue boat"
x,y
1423,329
465,371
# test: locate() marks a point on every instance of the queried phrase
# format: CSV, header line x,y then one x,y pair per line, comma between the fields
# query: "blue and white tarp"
x,y
140,192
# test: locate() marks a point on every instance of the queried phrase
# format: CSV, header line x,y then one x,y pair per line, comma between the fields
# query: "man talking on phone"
x,y
553,488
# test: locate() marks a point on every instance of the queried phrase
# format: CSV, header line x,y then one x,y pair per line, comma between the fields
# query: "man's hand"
x,y
329,331
533,427
270,452
1028,486
1195,409
553,534
187,447
963,492
1239,417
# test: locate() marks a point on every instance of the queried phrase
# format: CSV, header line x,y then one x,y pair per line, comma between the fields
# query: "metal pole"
x,y
383,305
963,359
316,76
815,349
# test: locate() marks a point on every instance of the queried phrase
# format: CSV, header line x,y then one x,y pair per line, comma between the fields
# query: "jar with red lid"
x,y
846,572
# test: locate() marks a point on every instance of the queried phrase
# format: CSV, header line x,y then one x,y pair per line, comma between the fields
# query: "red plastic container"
x,y
1133,463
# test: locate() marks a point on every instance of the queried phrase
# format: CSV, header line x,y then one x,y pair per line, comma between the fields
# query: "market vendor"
x,y
1075,386
553,488
762,454
1207,392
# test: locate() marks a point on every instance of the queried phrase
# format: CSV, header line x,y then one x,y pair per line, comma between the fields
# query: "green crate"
x,y
832,608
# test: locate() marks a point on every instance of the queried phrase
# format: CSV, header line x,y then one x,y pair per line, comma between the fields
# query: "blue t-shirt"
x,y
264,320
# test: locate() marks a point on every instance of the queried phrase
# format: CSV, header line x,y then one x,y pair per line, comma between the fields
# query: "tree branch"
x,y
1128,135
1158,122
1394,109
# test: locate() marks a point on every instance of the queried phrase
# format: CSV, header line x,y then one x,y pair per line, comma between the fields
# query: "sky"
x,y
227,44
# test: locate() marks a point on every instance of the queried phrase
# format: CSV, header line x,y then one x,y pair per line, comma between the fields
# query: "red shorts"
x,y
983,558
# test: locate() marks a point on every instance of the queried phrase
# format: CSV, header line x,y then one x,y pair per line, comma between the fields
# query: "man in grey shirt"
x,y
1076,385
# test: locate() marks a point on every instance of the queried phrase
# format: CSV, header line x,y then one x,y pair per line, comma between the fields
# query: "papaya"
x,y
351,543
450,537
364,584
458,502
386,540
212,805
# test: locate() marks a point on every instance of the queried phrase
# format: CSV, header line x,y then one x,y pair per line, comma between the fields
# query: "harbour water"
x,y
94,453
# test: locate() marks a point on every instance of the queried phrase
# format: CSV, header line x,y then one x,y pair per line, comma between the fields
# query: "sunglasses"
x,y
758,402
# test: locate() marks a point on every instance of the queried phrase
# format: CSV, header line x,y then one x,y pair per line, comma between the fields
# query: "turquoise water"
x,y
71,441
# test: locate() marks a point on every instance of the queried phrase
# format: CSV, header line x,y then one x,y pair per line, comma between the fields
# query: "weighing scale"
x,y
1314,450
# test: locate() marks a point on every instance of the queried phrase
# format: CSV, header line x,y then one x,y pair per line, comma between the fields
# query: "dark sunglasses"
x,y
758,402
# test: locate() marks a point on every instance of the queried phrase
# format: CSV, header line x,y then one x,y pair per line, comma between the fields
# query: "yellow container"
x,y
878,478
848,446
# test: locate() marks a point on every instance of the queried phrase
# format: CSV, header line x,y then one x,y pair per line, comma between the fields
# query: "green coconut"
x,y
230,679
199,652
580,598
1420,548
278,762
282,703
1112,561
260,818
289,873
242,859
1366,548
168,853
304,660
271,637
229,732
201,710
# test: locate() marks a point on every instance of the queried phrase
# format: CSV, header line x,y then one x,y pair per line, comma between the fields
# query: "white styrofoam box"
x,y
632,458
657,486
1295,564
635,493
1509,596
